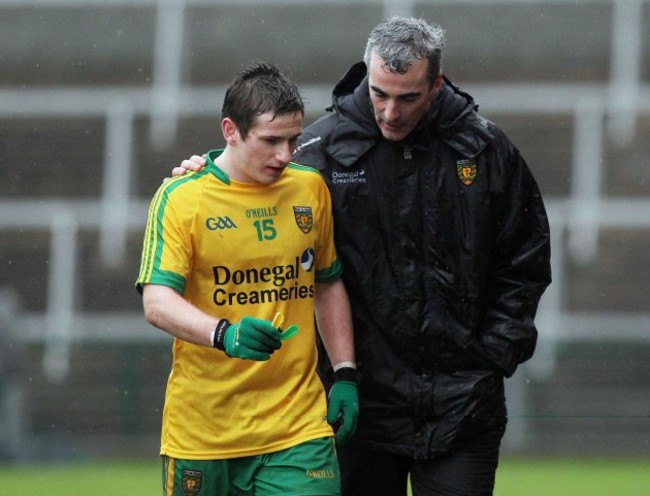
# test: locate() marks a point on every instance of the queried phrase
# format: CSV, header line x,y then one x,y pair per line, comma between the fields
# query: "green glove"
x,y
343,405
249,339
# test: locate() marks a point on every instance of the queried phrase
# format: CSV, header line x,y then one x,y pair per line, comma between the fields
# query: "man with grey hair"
x,y
444,238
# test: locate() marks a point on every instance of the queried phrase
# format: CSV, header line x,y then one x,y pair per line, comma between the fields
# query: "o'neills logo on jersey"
x,y
321,473
304,218
466,170
256,213
191,481
257,285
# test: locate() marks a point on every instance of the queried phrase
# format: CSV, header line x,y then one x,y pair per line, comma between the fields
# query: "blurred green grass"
x,y
573,476
97,478
515,477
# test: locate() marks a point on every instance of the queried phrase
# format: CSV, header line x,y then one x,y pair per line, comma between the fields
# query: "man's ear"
x,y
230,131
437,86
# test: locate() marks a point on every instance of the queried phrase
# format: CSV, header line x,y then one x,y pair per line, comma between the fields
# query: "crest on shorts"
x,y
191,482
304,218
466,170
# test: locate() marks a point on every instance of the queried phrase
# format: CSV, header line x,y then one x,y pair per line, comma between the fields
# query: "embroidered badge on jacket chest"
x,y
466,170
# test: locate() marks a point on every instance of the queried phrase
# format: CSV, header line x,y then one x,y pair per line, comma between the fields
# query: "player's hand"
x,y
194,163
251,339
343,406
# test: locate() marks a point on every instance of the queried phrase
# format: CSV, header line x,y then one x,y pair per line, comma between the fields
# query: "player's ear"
x,y
230,131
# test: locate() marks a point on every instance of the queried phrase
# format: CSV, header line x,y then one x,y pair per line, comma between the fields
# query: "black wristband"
x,y
346,374
219,333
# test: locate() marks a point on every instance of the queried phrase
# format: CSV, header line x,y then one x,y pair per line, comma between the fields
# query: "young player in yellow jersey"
x,y
234,258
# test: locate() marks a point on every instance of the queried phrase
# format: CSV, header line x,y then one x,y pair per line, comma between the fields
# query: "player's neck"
x,y
225,162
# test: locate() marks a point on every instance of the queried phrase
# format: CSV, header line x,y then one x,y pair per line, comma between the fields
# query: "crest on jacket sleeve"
x,y
466,170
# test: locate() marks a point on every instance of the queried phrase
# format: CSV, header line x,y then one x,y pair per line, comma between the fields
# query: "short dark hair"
x,y
258,89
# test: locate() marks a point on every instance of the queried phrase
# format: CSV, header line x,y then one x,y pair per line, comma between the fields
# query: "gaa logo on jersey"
x,y
191,480
219,223
304,218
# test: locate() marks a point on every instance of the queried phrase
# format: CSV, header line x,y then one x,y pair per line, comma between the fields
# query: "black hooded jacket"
x,y
446,251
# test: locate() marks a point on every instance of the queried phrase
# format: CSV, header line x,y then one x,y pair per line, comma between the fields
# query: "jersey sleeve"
x,y
166,248
328,266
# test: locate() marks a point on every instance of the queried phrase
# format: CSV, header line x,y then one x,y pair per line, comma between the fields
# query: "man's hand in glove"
x,y
249,339
343,404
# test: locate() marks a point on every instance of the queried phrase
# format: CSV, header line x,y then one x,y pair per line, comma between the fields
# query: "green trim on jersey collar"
x,y
212,167
293,165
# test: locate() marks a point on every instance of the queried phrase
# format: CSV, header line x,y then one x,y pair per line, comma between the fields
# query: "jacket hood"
x,y
453,117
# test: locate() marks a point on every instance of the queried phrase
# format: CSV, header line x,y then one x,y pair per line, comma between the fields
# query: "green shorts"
x,y
309,468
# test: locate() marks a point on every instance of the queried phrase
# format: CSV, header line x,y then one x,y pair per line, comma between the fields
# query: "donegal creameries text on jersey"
x,y
277,277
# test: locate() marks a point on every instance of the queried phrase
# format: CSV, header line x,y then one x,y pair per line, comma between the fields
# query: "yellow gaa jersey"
x,y
233,250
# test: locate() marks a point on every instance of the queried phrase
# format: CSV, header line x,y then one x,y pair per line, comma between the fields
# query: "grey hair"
x,y
399,41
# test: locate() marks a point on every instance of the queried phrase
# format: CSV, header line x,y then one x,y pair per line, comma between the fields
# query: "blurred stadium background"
x,y
99,99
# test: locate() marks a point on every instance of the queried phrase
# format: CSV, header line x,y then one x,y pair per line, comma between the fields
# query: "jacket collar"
x,y
453,117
